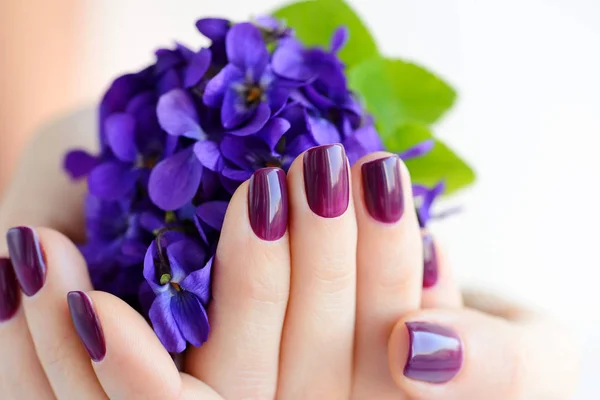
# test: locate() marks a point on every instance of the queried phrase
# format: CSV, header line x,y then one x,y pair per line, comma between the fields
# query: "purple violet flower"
x,y
418,150
178,116
216,30
118,235
362,140
246,154
133,155
177,270
424,198
245,89
179,137
272,29
209,217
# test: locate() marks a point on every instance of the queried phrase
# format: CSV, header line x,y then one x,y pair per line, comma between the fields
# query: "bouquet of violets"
x,y
178,138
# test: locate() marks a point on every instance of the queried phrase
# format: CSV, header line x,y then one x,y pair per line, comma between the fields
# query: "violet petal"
x,y
177,115
212,213
164,324
237,175
151,221
268,22
120,135
273,131
246,49
112,180
79,163
339,38
278,96
418,150
149,270
213,28
288,62
234,111
258,120
218,85
197,68
198,282
185,256
323,131
208,154
174,181
190,317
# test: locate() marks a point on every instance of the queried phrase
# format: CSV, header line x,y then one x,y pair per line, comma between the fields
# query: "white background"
x,y
528,120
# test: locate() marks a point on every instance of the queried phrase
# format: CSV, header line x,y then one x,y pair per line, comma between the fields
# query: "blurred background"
x,y
527,119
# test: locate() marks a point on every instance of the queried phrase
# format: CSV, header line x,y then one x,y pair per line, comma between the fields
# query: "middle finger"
x,y
316,359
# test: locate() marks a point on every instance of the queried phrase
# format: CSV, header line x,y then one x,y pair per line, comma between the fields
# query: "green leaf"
x,y
398,92
315,22
440,163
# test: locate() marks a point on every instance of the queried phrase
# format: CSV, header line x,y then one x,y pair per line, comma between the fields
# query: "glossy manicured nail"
x,y
9,290
87,324
430,262
326,180
435,354
268,203
382,187
27,258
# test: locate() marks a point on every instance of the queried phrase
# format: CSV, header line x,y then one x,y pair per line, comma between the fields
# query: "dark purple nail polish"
x,y
10,295
382,189
27,258
435,353
430,263
326,180
268,203
87,324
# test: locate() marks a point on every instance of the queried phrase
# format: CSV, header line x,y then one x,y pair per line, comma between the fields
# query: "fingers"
x,y
466,354
48,266
440,289
129,360
20,362
250,292
390,265
316,359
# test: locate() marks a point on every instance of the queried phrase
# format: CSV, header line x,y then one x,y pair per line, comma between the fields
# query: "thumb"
x,y
468,354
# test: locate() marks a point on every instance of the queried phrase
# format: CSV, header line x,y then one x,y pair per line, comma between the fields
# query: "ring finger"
x,y
390,266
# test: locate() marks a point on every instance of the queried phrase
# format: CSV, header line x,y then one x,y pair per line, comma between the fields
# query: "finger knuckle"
x,y
56,353
265,284
266,289
333,275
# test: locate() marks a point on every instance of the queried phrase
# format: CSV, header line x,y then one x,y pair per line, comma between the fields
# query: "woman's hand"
x,y
330,307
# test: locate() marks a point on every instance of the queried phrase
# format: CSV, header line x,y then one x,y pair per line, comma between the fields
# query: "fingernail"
x,y
9,291
435,353
326,180
382,188
268,203
27,258
430,263
87,324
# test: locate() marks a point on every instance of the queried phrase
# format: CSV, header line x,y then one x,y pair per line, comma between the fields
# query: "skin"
x,y
319,313
30,94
